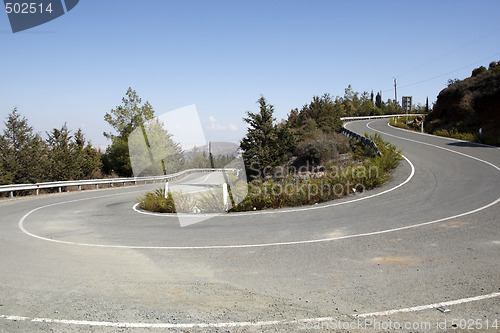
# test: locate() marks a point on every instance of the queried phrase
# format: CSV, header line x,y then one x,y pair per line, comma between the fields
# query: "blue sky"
x,y
223,55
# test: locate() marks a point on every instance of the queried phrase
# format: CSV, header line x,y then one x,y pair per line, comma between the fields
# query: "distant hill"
x,y
470,104
218,149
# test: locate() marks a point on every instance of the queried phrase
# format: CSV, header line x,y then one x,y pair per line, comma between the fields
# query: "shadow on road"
x,y
469,144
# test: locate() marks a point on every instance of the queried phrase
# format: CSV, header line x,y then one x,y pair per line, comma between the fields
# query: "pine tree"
x,y
124,119
88,158
22,152
265,145
378,100
62,164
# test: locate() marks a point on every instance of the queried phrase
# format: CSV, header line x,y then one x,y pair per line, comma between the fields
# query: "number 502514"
x,y
27,8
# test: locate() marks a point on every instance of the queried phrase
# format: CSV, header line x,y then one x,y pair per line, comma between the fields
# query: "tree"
x,y
261,145
351,101
124,119
366,107
117,158
322,113
71,157
22,152
62,164
378,100
128,116
87,157
198,159
152,150
478,71
294,118
286,142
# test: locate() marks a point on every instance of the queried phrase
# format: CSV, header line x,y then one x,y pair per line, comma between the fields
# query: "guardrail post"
x,y
96,185
225,196
37,191
79,187
60,189
11,194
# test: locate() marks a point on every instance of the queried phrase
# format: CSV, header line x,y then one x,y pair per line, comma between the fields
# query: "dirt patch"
x,y
402,260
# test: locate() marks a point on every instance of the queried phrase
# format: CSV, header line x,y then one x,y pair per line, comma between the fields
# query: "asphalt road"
x,y
87,261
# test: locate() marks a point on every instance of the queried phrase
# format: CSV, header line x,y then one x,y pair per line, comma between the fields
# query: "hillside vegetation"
x,y
468,105
302,160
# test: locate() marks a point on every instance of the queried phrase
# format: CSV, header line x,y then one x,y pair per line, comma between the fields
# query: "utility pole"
x,y
395,93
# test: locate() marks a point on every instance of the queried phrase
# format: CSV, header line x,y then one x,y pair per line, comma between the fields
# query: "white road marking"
x,y
428,306
23,229
261,323
301,209
145,325
435,146
244,323
21,222
442,137
205,178
249,245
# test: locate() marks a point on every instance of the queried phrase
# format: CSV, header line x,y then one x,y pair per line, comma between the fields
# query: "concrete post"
x,y
225,196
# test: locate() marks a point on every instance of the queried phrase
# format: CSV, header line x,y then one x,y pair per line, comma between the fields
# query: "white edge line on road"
x,y
264,323
293,210
444,137
251,245
435,146
283,243
23,229
245,323
429,306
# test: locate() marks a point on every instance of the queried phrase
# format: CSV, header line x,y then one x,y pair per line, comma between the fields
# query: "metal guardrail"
x,y
366,141
110,181
96,182
381,116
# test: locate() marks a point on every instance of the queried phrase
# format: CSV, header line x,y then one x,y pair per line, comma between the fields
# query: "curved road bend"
x,y
85,261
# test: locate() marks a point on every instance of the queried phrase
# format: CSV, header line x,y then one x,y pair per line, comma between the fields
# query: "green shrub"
x,y
453,133
365,170
155,202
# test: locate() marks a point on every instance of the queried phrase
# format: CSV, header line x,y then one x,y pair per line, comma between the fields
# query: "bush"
x,y
453,133
322,148
155,202
365,170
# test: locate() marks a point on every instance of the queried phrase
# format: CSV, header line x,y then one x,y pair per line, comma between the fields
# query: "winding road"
x,y
87,261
